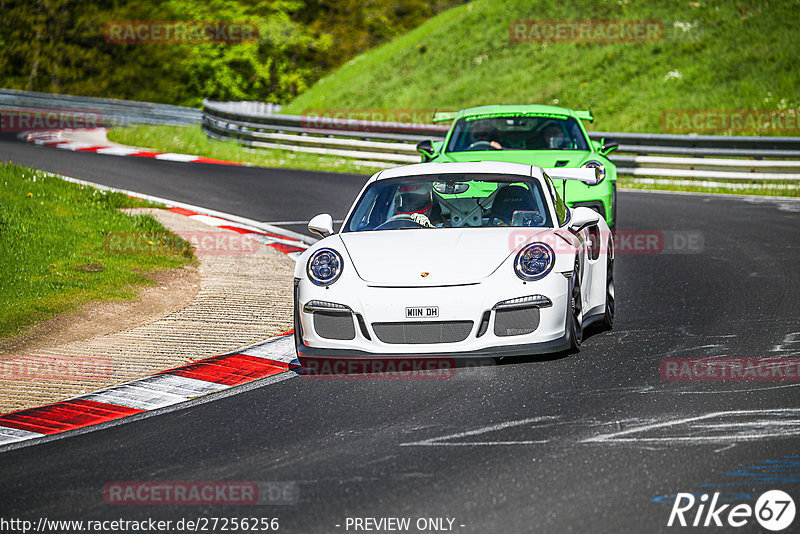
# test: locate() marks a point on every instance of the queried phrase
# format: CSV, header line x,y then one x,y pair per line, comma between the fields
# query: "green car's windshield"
x,y
517,132
450,201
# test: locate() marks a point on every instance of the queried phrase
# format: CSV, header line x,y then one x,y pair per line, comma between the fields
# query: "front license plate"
x,y
422,312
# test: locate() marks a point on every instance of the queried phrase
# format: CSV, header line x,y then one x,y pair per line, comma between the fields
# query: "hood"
x,y
542,158
450,256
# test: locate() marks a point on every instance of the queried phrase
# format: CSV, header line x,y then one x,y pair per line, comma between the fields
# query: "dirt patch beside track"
x,y
225,302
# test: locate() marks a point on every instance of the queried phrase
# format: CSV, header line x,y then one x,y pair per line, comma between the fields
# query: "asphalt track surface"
x,y
585,442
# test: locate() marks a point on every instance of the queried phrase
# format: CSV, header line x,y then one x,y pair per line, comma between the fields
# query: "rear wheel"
x,y
608,318
576,330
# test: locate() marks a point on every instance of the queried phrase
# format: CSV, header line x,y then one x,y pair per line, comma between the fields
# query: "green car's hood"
x,y
542,158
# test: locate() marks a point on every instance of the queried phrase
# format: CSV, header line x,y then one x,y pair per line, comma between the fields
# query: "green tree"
x,y
59,46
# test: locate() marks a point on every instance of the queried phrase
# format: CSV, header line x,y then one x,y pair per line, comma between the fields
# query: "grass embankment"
x,y
54,255
737,55
192,140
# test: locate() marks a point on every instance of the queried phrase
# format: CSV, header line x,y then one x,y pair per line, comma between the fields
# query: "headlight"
x,y
324,267
534,261
595,164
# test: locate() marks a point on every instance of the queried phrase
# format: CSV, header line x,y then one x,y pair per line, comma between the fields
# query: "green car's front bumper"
x,y
601,197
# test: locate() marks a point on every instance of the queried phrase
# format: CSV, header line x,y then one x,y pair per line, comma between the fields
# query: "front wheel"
x,y
298,336
608,318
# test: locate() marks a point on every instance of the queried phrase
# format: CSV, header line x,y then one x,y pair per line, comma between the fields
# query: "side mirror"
x,y
583,217
426,149
608,146
321,225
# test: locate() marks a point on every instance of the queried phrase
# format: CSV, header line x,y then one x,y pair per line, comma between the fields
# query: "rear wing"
x,y
585,115
442,116
589,176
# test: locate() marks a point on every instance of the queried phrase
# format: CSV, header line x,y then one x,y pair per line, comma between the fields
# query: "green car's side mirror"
x,y
608,145
426,149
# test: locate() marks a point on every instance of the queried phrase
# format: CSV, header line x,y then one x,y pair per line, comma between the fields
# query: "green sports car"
x,y
547,136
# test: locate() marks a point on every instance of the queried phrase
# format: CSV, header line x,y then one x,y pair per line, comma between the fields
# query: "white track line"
x,y
442,441
10,435
118,151
169,156
155,391
280,349
173,203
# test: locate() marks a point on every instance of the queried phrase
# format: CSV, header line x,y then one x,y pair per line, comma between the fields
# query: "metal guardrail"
x,y
705,145
388,144
112,112
221,119
259,124
247,108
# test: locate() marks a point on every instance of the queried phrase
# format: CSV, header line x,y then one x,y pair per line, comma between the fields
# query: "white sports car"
x,y
455,259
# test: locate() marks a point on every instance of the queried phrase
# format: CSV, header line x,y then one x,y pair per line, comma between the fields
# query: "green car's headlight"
x,y
596,165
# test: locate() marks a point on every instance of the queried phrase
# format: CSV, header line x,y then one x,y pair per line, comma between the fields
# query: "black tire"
x,y
576,330
608,317
298,334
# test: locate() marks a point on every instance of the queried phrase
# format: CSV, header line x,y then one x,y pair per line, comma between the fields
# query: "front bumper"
x,y
545,347
359,328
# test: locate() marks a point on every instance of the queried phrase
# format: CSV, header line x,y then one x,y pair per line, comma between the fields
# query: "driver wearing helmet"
x,y
416,201
484,132
552,137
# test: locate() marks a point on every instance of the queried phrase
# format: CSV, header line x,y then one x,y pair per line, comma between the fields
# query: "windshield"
x,y
450,201
517,132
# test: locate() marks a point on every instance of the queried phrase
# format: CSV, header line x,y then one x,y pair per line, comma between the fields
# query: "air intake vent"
x,y
334,325
515,322
423,332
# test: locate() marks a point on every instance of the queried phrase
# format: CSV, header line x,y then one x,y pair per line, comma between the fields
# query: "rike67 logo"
x,y
774,510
